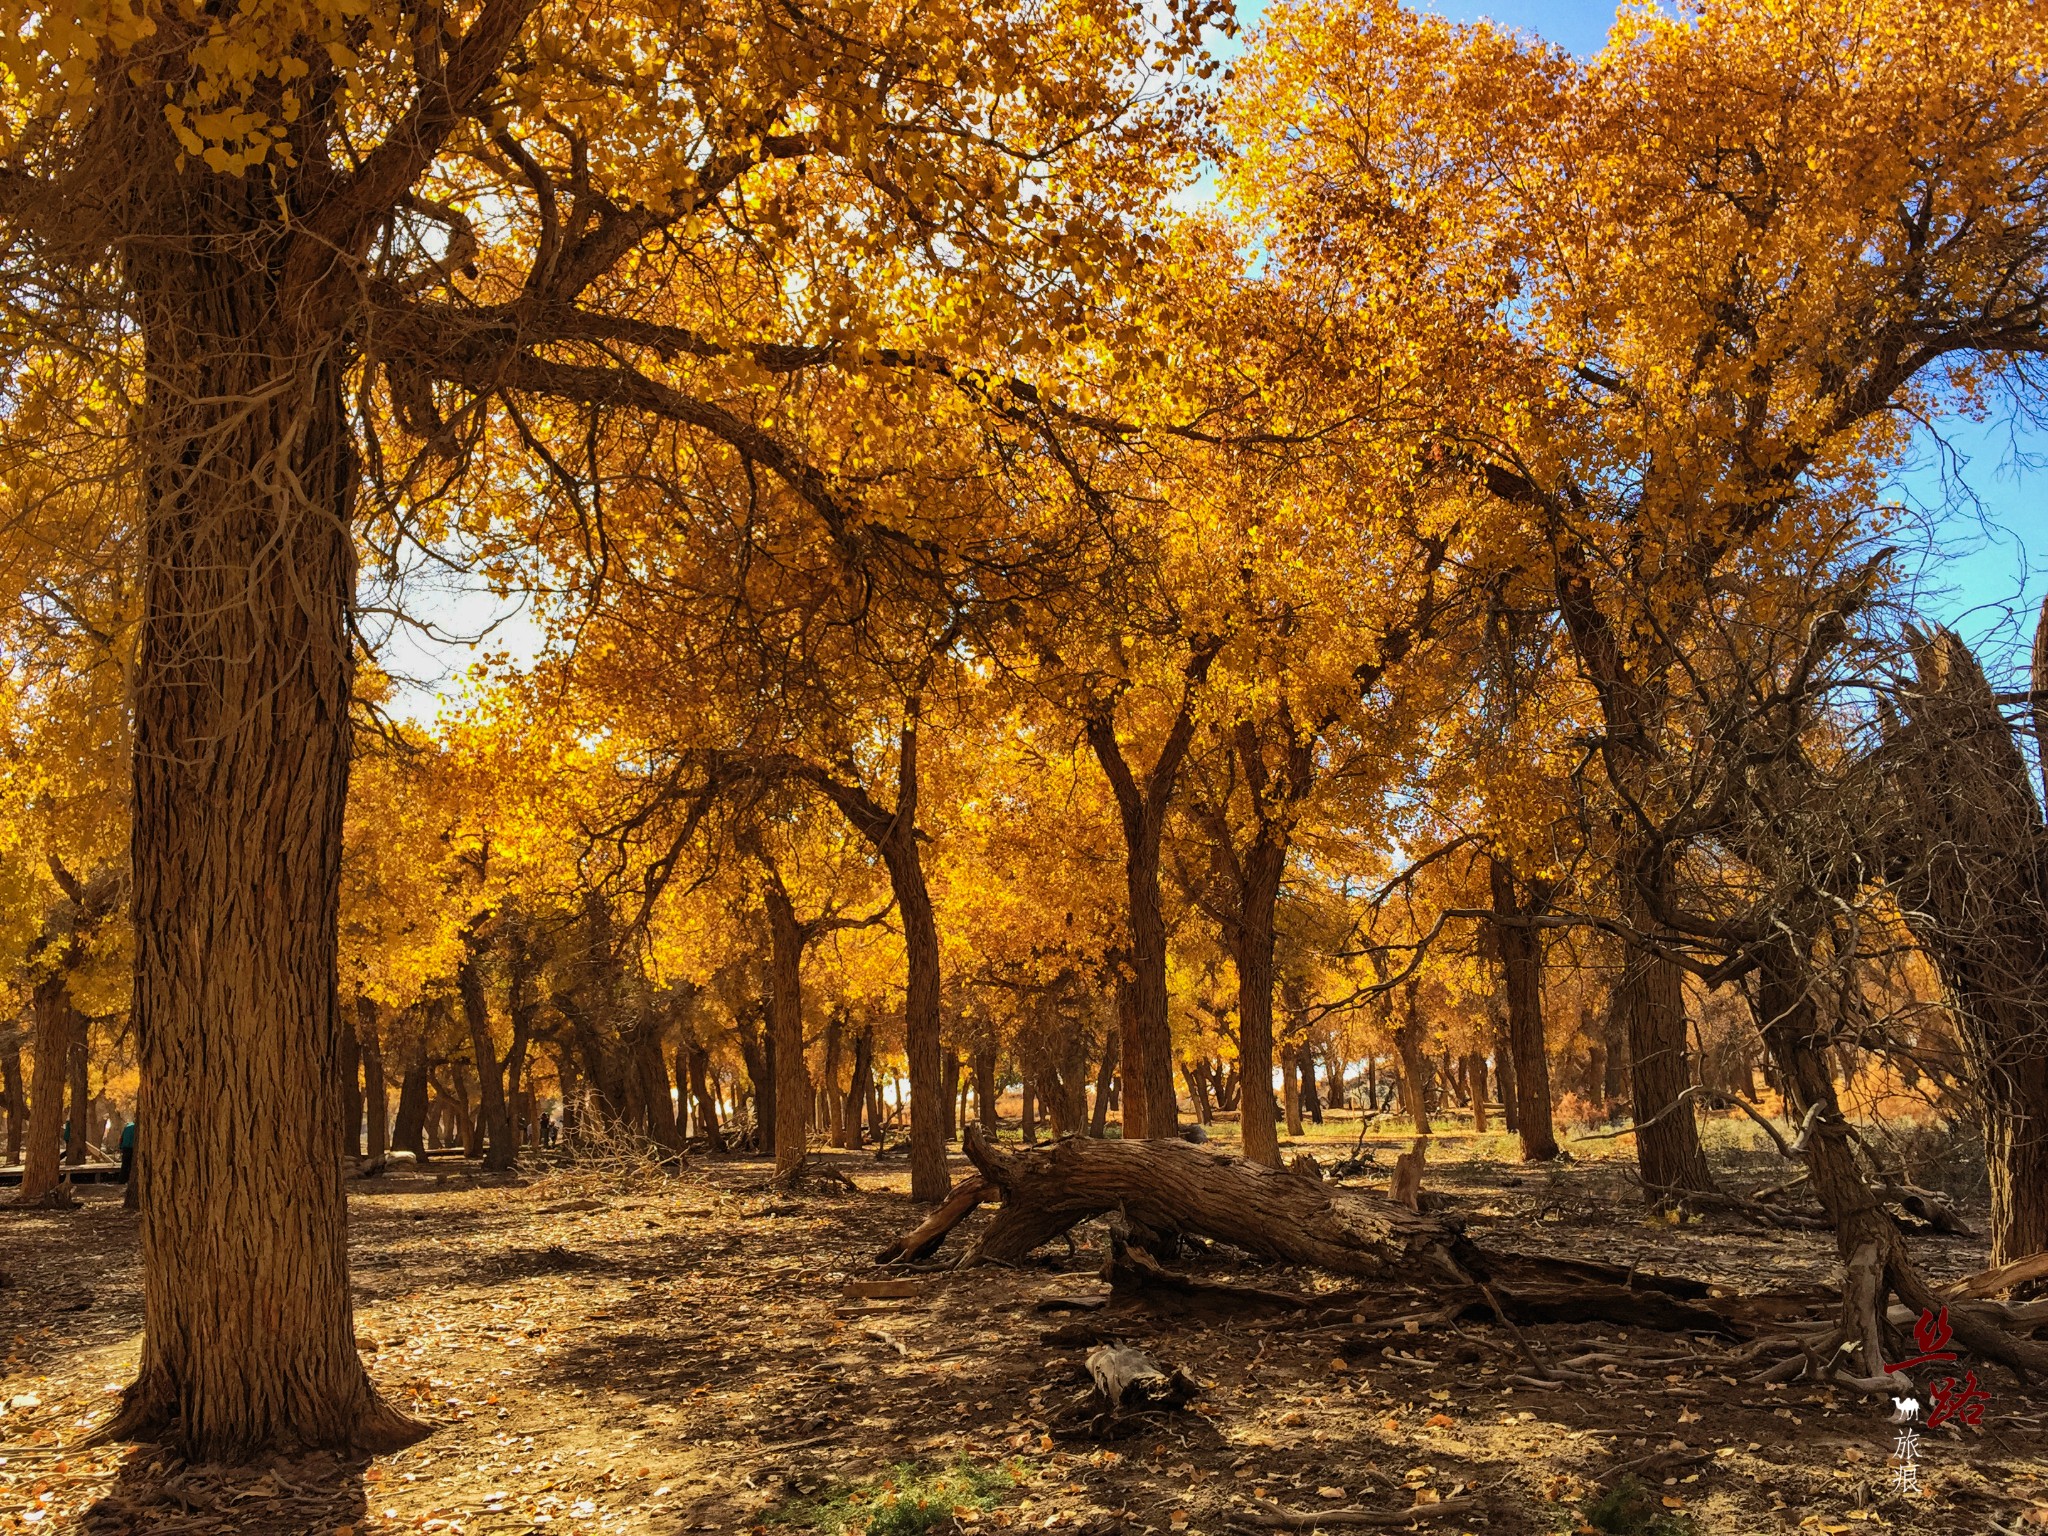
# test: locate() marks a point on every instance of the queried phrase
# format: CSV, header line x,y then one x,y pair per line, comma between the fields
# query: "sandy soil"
x,y
604,1350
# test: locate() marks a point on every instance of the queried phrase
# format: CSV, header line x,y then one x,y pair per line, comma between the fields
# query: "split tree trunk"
x,y
1874,1257
1969,858
241,705
1141,811
707,1102
1176,1187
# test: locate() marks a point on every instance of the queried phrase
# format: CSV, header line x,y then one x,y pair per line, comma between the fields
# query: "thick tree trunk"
x,y
1142,812
56,1030
656,1092
241,706
1651,998
1521,962
1175,1187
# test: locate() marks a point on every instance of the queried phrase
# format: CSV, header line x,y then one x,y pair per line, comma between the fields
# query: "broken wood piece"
x,y
884,1290
1928,1205
923,1239
1273,1517
1172,1186
1126,1377
1990,1282
1407,1183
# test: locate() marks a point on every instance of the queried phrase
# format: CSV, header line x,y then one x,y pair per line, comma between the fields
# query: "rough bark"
x,y
241,694
1521,961
409,1123
1176,1187
1969,860
1651,999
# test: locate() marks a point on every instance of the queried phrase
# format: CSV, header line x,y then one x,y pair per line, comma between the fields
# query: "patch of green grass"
x,y
907,1500
1631,1509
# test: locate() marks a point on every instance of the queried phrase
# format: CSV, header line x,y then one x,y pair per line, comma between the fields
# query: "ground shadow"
x,y
157,1493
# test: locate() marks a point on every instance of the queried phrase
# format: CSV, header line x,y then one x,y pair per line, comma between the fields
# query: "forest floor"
x,y
599,1350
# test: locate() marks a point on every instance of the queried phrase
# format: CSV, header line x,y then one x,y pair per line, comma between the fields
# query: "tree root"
x,y
148,1415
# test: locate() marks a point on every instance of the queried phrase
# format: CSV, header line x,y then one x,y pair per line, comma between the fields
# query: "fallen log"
x,y
923,1239
1172,1186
